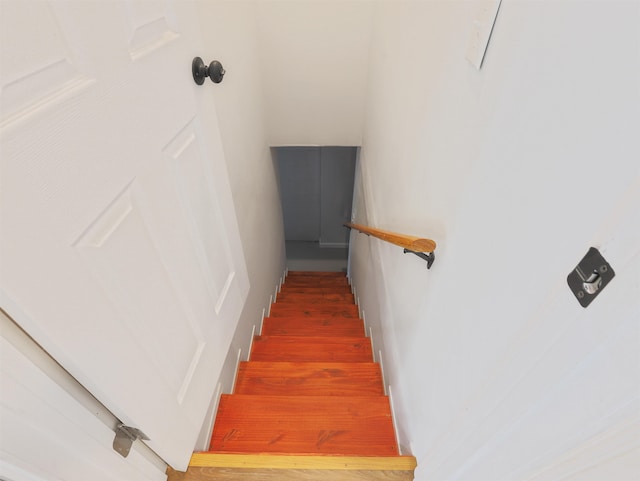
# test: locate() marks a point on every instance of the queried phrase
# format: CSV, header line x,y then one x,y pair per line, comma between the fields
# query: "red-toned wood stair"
x,y
310,402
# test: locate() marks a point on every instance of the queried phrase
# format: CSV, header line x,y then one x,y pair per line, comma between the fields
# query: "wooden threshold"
x,y
275,467
289,461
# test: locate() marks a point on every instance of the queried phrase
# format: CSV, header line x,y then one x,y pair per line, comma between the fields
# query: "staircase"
x,y
310,403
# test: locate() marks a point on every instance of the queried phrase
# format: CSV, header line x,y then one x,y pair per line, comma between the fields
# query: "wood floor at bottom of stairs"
x,y
269,467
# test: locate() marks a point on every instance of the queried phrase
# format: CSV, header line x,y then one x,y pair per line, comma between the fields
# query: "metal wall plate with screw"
x,y
589,277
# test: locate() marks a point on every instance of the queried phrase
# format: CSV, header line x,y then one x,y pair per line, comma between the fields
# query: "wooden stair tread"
x,y
207,466
358,425
315,298
311,349
318,310
312,326
303,461
309,379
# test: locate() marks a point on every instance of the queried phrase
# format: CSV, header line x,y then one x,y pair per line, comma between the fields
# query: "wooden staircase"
x,y
310,403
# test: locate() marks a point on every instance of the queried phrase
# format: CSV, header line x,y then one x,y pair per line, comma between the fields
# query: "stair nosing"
x,y
303,461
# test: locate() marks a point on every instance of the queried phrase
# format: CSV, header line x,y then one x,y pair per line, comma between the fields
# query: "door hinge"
x,y
125,436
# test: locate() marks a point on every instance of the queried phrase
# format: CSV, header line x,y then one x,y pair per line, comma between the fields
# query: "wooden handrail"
x,y
409,242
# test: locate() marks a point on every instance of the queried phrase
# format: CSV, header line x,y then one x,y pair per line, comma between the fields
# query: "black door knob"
x,y
215,71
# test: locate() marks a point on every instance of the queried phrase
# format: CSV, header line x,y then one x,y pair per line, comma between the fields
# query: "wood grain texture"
x,y
311,349
312,326
314,310
259,467
416,244
288,297
310,403
318,290
309,379
305,425
267,474
298,461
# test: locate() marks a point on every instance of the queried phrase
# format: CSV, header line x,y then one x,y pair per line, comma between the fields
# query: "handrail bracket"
x,y
429,257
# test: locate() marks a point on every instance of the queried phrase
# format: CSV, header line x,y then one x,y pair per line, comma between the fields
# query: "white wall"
x,y
229,33
515,170
314,58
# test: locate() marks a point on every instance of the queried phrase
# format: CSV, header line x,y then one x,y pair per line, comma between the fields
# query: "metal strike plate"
x,y
590,277
125,436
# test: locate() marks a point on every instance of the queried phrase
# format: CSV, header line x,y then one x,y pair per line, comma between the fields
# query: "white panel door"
x,y
119,252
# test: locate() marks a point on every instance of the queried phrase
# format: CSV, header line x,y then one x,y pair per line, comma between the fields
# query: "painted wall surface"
x,y
314,68
337,173
515,170
230,34
316,187
299,180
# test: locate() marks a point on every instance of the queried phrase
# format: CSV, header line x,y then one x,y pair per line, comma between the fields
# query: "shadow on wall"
x,y
316,191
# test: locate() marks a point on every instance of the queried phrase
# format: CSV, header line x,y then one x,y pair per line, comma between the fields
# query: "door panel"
x,y
150,30
194,185
119,244
119,250
44,55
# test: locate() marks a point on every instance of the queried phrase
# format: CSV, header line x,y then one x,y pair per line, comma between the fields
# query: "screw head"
x,y
603,269
580,294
